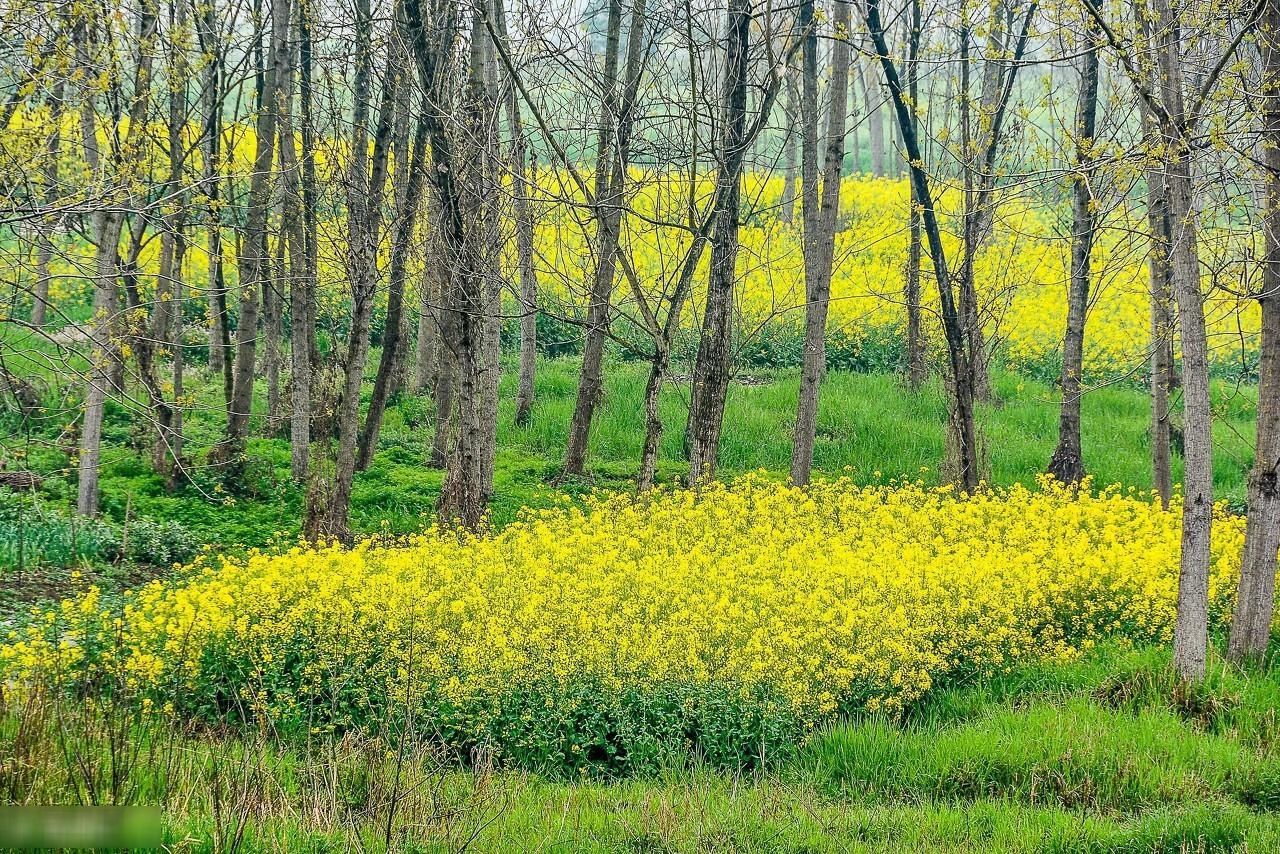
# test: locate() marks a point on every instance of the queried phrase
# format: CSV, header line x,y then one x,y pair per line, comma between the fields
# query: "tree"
x,y
365,183
821,208
1067,464
961,421
116,169
613,147
457,134
1255,599
713,367
1159,58
254,262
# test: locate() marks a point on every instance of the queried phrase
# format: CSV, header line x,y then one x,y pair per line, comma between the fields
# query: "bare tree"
x,y
1255,599
613,146
108,220
254,263
962,422
820,210
365,183
1067,464
713,367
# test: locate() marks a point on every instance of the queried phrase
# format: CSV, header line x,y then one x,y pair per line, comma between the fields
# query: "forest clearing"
x,y
629,426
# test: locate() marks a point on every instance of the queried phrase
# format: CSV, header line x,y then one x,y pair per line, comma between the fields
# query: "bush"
x,y
31,535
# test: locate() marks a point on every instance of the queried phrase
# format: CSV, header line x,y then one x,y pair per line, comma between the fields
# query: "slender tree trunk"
x,y
1191,626
963,426
273,330
44,249
820,216
875,121
792,110
108,221
1255,599
301,295
1067,464
220,358
458,193
713,366
365,183
917,369
608,214
310,196
254,261
409,195
172,471
522,192
407,161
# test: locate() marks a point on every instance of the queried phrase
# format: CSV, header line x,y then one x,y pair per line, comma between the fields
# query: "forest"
x,y
640,425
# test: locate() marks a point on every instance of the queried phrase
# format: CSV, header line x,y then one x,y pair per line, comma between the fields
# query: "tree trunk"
x,y
917,369
1191,626
713,366
220,359
820,216
301,295
1255,599
44,249
1067,464
608,215
522,191
409,195
273,330
875,121
107,223
962,422
1159,268
428,360
254,261
365,183
458,194
791,109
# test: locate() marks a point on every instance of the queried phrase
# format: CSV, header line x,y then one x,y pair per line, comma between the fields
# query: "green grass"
x,y
1100,755
870,427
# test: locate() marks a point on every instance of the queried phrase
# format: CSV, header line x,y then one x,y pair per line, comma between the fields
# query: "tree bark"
x,y
962,420
457,195
1255,598
44,249
1162,379
220,356
1067,463
254,261
791,109
712,368
273,329
875,121
522,191
366,180
917,368
820,215
1191,625
409,195
108,221
301,294
167,314
612,148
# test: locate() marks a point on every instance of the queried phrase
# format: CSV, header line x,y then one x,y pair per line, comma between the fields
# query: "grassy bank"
x,y
870,428
1102,755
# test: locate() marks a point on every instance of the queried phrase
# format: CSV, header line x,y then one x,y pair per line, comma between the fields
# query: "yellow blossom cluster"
x,y
833,598
1021,271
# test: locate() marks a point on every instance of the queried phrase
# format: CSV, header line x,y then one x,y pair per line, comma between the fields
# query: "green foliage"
x,y
34,535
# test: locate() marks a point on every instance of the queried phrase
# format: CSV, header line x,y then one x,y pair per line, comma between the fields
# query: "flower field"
x,y
1021,274
612,635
